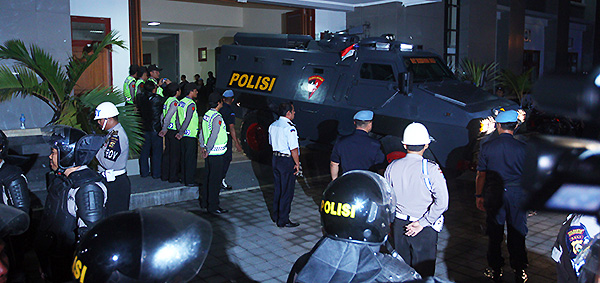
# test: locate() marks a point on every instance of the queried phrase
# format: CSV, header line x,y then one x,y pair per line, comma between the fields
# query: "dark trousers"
x,y
418,251
214,176
119,192
516,221
152,149
284,181
227,157
189,159
171,157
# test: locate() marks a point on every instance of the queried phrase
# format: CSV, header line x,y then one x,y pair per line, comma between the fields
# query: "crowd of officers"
x,y
407,203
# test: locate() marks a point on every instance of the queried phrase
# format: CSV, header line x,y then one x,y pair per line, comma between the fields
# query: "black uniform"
x,y
502,159
150,106
333,260
74,204
13,187
229,118
357,152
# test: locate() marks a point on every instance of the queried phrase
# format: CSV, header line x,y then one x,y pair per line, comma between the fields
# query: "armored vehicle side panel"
x,y
327,91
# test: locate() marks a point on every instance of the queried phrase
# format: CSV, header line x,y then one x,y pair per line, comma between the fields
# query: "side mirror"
x,y
405,82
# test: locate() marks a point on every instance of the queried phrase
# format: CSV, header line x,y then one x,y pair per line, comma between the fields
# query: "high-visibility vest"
x,y
128,87
166,106
137,88
221,143
159,90
192,129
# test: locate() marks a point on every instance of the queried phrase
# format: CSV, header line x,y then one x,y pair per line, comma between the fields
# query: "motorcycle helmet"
x,y
3,145
63,138
359,207
146,245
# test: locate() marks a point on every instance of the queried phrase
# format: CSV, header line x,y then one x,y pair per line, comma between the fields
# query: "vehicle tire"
x,y
255,135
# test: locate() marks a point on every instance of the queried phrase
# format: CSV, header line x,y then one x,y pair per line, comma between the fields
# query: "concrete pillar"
x,y
516,28
477,30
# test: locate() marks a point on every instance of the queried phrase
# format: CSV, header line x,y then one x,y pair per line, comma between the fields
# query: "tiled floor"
x,y
248,247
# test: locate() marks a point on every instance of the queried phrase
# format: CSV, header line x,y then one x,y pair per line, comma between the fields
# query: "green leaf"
x,y
77,66
481,75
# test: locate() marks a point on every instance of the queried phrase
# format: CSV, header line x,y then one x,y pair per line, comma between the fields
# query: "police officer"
x,y
229,118
188,134
421,198
113,158
575,233
142,74
129,84
13,184
499,171
170,125
154,75
13,222
144,245
356,210
75,201
213,137
357,151
150,107
283,137
13,192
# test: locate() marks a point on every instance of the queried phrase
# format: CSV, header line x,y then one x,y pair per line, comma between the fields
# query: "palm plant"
x,y
36,73
481,75
518,85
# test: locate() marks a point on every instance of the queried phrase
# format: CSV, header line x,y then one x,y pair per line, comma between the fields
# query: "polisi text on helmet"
x,y
339,209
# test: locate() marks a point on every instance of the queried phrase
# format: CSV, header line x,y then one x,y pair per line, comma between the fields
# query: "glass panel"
x,y
88,31
427,69
378,72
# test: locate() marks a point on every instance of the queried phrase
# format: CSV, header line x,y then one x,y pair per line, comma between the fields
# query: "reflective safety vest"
x,y
137,88
221,143
129,86
159,90
172,125
192,129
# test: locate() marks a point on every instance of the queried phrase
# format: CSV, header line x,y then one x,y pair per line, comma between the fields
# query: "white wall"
x,y
118,12
151,46
329,20
190,13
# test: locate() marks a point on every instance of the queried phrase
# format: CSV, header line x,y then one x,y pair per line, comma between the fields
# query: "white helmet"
x,y
106,110
416,134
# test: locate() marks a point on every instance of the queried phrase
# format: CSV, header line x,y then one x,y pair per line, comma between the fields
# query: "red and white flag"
x,y
349,51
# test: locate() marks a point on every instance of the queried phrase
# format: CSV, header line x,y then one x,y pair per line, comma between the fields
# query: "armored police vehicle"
x,y
329,80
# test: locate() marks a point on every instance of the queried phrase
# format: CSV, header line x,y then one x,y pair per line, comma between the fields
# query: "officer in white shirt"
x,y
283,137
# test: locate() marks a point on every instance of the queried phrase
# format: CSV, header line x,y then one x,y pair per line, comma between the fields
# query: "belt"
x,y
111,175
280,154
406,217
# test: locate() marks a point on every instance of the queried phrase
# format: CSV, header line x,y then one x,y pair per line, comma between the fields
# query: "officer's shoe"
x,y
520,276
493,274
219,211
225,186
290,224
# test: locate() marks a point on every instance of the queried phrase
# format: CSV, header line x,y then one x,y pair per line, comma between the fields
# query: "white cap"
x,y
106,110
416,134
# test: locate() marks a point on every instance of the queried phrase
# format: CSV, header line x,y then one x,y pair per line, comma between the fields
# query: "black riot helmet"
x,y
3,145
13,221
63,138
146,245
359,207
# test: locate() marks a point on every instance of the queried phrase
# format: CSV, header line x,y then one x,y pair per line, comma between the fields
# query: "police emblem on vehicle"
x,y
314,82
252,81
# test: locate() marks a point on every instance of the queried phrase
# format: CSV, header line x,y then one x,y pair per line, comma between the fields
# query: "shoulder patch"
x,y
292,130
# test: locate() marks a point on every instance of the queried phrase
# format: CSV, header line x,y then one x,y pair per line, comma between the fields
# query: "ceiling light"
x,y
96,31
154,24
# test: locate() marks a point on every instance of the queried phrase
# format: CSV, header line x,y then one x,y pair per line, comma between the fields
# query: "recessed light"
x,y
153,23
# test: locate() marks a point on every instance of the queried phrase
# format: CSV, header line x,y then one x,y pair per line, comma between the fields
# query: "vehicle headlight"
x,y
487,125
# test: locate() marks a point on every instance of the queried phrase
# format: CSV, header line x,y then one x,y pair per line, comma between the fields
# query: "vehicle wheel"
x,y
255,135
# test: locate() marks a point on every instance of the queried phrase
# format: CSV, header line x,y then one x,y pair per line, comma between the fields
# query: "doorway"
x,y
162,50
84,32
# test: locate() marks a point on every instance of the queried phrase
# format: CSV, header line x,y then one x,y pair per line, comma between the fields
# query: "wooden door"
x,y
301,21
84,32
